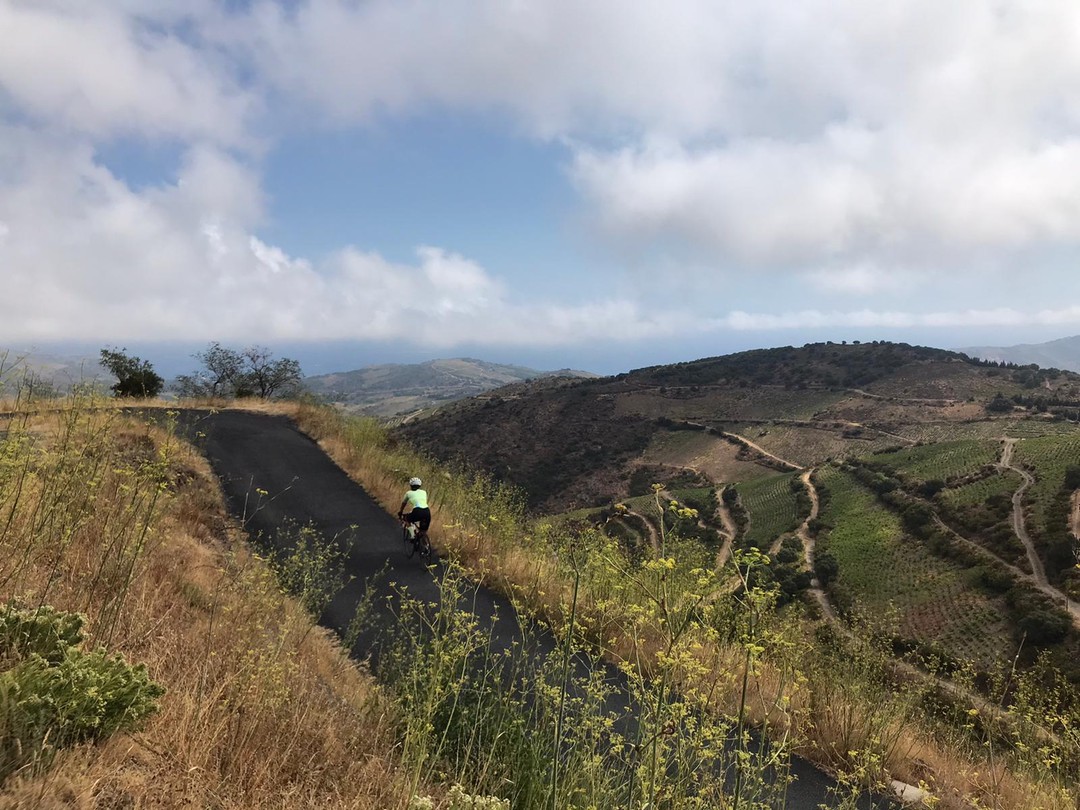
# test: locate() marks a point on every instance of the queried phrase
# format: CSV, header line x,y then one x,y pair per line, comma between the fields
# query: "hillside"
x,y
1061,353
937,489
394,388
579,443
254,688
55,372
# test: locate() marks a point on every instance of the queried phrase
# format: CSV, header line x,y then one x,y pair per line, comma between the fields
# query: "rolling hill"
x,y
57,373
1062,353
392,389
578,442
938,489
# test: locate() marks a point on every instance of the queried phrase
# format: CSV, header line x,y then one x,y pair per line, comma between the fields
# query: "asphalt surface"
x,y
256,453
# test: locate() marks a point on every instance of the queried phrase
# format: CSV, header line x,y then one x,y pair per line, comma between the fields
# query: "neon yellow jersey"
x,y
417,498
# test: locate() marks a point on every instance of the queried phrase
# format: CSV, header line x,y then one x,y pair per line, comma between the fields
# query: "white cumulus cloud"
x,y
85,256
110,69
868,149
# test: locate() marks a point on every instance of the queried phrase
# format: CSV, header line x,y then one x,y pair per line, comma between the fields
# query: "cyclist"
x,y
416,500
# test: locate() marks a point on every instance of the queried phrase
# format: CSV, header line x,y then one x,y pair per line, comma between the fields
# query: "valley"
x,y
923,491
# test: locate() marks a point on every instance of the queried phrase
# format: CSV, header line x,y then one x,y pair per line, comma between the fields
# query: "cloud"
x,y
860,146
87,257
762,136
862,279
557,66
109,69
852,195
873,319
754,202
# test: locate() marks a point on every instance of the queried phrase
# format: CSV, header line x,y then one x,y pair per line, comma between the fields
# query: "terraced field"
x,y
808,446
944,460
1035,428
898,586
987,429
977,493
1047,457
772,506
982,511
711,455
931,432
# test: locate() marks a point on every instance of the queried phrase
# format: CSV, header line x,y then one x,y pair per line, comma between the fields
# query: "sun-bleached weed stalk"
x,y
567,646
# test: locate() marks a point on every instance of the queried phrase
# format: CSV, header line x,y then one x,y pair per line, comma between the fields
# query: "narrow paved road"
x,y
1019,525
250,452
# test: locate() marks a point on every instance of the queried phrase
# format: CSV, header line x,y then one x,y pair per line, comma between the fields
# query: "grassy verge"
x,y
115,520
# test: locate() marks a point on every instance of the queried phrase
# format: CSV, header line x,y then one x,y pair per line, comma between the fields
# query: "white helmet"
x,y
414,482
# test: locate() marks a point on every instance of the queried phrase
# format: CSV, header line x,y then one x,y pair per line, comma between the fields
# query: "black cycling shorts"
x,y
421,517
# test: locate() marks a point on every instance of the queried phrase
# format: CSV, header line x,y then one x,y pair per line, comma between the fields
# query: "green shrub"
x,y
826,567
54,695
44,631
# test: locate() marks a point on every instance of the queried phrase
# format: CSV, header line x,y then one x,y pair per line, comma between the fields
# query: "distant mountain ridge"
x,y
60,372
391,389
1063,353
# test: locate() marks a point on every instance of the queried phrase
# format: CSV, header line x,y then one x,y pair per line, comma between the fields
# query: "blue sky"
x,y
595,185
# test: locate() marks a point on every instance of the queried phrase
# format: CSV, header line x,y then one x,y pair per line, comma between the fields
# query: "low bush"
x,y
56,695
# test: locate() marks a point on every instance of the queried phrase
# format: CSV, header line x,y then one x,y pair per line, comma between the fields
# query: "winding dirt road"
x,y
757,448
810,548
1019,525
650,529
1073,608
1075,522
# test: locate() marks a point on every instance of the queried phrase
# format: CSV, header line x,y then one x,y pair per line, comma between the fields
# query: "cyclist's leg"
x,y
424,522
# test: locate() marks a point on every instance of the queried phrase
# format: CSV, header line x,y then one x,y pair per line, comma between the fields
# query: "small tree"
x,y
224,368
250,373
222,374
267,376
135,377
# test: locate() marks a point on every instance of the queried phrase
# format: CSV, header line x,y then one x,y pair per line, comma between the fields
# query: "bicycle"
x,y
415,539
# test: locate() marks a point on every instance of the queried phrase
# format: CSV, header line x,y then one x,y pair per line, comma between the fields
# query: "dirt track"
x,y
757,448
1019,525
251,452
809,549
1075,522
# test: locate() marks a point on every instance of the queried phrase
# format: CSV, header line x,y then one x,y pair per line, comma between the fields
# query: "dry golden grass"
x,y
262,709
